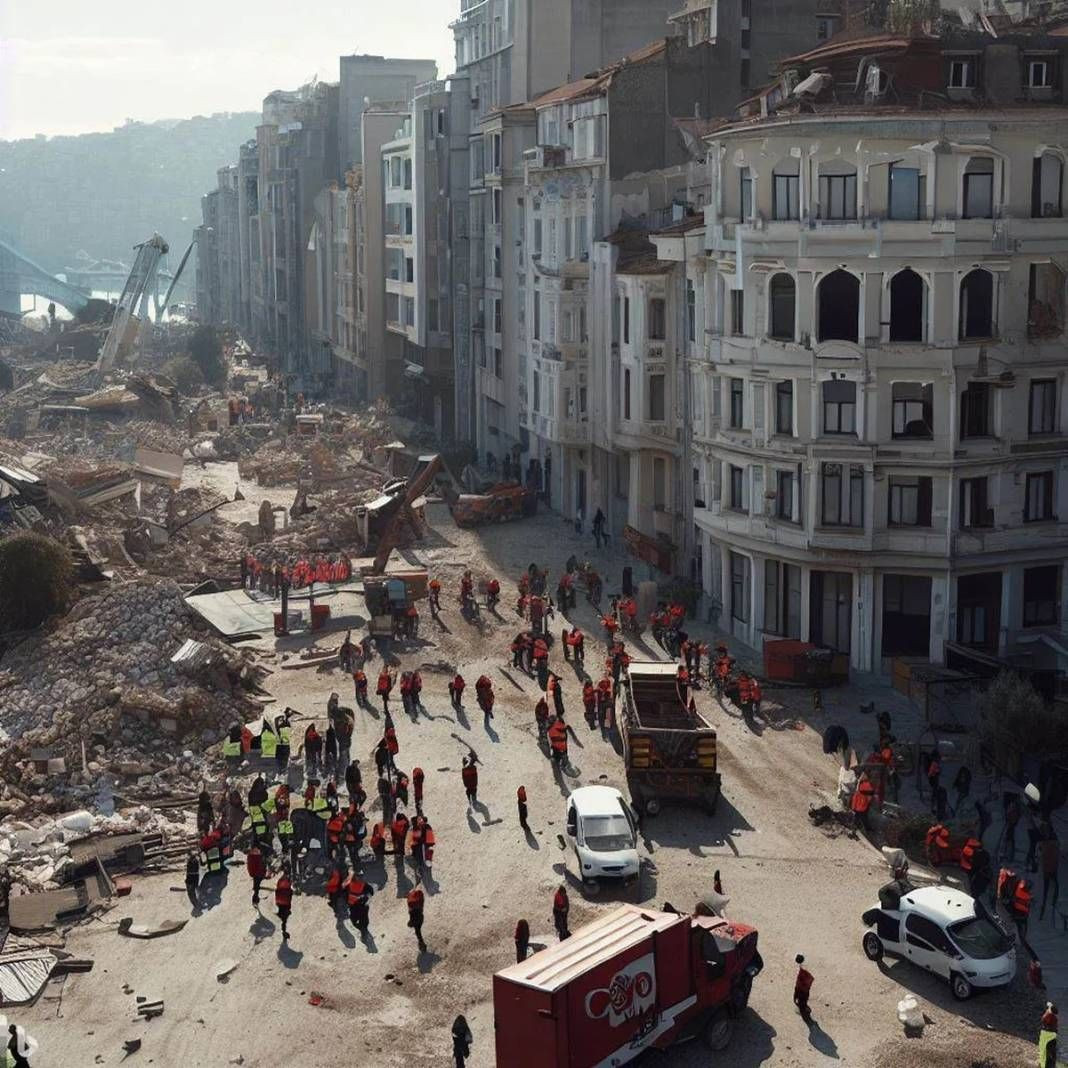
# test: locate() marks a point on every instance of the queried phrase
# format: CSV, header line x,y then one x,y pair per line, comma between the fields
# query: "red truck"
x,y
633,980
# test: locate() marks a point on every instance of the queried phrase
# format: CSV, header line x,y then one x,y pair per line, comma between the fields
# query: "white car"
x,y
604,831
945,931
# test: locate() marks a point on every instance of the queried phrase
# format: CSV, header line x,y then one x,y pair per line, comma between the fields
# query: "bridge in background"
x,y
19,276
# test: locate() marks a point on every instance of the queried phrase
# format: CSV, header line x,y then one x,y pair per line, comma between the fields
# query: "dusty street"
x,y
382,1000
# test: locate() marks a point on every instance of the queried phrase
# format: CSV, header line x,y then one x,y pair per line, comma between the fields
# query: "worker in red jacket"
x,y
418,777
416,901
521,802
358,895
469,775
484,691
283,900
456,691
561,907
541,717
802,988
334,885
257,869
589,703
522,941
385,687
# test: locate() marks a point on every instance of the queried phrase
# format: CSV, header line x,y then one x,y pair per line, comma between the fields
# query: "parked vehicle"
x,y
669,750
500,503
603,830
634,979
943,930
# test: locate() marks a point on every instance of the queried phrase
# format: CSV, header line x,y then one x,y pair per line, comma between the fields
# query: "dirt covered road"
x,y
383,1001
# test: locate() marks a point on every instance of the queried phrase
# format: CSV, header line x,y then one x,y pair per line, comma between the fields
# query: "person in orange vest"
x,y
802,989
398,832
417,691
283,900
358,894
557,735
378,841
1021,906
517,649
416,901
541,717
521,802
335,827
606,702
334,885
406,691
469,775
434,588
936,842
484,693
561,907
257,869
522,941
611,625
385,687
745,693
418,778
540,652
411,622
392,744
456,691
359,682
429,841
577,641
589,703
862,799
493,594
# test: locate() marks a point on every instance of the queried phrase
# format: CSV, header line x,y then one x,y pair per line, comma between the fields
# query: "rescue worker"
x,y
605,702
434,588
861,800
541,717
1047,1037
493,594
392,744
517,649
522,941
385,687
416,901
406,691
335,885
398,832
456,691
417,691
378,842
577,641
589,703
556,692
313,752
418,777
359,682
934,773
1021,907
521,802
231,749
936,842
335,827
967,858
192,879
611,625
257,869
417,844
330,751
484,693
358,894
561,907
283,900
285,741
461,1041
744,692
205,813
802,989
469,775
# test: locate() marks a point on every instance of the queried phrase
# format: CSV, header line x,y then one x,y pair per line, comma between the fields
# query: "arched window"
x,y
906,306
1047,181
839,307
977,305
786,187
979,188
782,298
838,190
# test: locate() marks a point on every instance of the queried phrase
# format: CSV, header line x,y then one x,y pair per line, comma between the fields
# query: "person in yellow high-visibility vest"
x,y
1047,1037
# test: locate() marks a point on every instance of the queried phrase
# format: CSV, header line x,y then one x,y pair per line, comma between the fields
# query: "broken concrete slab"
x,y
141,930
23,974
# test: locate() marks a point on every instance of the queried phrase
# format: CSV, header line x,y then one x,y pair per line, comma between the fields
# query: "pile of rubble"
x,y
99,696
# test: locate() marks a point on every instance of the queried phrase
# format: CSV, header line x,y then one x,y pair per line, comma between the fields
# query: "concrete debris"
x,y
143,930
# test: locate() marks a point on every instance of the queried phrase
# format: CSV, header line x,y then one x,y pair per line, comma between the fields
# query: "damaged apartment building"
x,y
873,310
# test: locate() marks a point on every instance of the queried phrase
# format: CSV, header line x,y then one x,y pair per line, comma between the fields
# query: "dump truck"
x,y
500,503
634,979
668,748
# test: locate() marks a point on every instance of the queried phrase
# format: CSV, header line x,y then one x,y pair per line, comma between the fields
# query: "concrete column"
x,y
1008,590
939,617
806,602
861,624
757,615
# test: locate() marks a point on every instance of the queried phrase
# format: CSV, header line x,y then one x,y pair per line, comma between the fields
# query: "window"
x,y
740,587
1047,180
408,225
786,191
979,188
626,320
537,315
498,363
1039,503
569,239
906,306
906,185
1039,74
537,392
839,307
497,316
973,507
737,412
838,192
691,311
409,311
962,73
496,261
826,27
912,409
784,407
926,934
975,411
843,495
1041,595
409,270
583,243
737,487
977,305
656,399
1045,301
537,237
657,319
395,171
737,312
839,407
659,483
498,210
910,501
408,173
782,599
784,495
626,393
782,299
747,193
1042,409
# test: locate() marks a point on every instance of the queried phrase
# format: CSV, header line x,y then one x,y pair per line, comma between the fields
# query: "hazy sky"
x,y
74,66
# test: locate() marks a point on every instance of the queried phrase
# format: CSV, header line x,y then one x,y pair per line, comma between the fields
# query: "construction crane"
x,y
132,307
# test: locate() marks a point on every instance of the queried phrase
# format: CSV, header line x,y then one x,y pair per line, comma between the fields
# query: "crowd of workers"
x,y
275,577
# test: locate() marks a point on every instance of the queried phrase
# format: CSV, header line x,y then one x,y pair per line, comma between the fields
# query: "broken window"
x,y
782,299
912,409
962,73
906,193
906,306
1042,406
1047,174
786,190
839,307
1041,595
975,411
1045,301
977,305
838,191
979,188
657,319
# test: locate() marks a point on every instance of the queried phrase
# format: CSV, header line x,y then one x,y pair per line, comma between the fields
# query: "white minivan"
x,y
604,831
945,931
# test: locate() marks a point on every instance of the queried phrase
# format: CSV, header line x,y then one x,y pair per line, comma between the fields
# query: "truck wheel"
x,y
961,988
719,1031
743,987
652,806
873,946
591,887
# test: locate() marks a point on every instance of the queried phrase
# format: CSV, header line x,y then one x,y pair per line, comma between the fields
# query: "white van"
x,y
945,931
603,829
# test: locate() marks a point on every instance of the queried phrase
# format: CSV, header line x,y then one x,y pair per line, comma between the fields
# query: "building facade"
x,y
878,417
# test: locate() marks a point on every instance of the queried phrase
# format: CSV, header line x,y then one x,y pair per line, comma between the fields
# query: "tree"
x,y
185,372
36,579
205,347
1013,714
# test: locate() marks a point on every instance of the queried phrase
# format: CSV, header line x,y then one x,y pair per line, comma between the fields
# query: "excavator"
x,y
384,519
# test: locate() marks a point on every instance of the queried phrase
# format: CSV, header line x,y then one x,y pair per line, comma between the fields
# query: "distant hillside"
x,y
105,192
